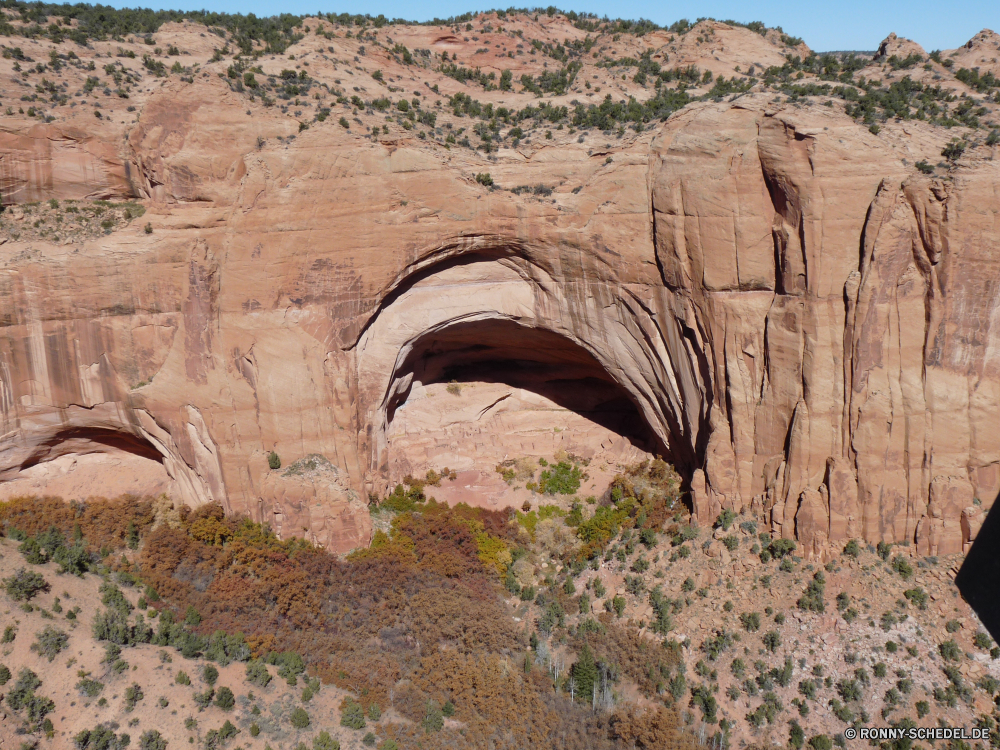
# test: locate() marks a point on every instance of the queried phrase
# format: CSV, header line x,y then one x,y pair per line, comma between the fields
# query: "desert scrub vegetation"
x,y
441,563
644,497
29,705
50,642
563,479
24,585
228,590
100,738
68,220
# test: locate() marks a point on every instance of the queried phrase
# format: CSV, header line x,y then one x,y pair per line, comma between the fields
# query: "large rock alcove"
x,y
499,319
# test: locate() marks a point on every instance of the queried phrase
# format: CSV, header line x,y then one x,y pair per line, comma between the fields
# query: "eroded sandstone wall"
x,y
806,322
848,305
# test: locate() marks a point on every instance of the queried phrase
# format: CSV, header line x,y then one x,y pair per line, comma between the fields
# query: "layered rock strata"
x,y
804,323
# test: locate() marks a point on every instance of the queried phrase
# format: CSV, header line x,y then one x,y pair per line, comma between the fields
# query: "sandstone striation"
x,y
796,317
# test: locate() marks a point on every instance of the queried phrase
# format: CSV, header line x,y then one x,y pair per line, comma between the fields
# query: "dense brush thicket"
x,y
416,621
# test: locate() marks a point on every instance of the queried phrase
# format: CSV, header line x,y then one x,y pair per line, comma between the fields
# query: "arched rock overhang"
x,y
503,300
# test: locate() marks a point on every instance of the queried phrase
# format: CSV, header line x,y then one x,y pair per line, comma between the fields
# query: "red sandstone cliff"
x,y
804,320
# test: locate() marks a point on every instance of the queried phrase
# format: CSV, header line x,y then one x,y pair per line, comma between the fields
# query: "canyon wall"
x,y
807,324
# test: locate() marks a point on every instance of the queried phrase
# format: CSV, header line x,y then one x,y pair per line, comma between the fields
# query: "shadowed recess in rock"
x,y
84,440
535,359
979,577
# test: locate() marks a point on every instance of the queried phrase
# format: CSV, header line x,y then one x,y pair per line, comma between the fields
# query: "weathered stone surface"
x,y
808,327
62,162
311,499
898,46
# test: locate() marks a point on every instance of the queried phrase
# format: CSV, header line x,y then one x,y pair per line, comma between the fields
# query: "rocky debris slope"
x,y
775,641
86,685
793,283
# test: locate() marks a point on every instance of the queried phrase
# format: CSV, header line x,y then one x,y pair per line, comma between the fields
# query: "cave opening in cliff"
x,y
77,463
490,391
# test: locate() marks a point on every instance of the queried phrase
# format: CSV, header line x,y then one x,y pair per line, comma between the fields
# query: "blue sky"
x,y
831,25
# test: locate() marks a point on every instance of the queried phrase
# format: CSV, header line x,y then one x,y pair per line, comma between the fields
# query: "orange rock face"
x,y
801,322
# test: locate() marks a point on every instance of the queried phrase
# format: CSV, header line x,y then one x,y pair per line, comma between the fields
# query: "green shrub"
x,y
849,690
100,738
820,742
352,715
717,644
618,604
796,737
950,651
22,697
433,718
808,689
781,547
50,642
374,712
9,634
210,674
133,694
323,741
299,718
812,598
90,688
772,641
483,178
725,519
257,674
225,699
901,566
152,740
182,678
273,459
4,675
917,596
701,697
602,527
25,584
563,478
852,549
953,150
685,534
989,684
750,621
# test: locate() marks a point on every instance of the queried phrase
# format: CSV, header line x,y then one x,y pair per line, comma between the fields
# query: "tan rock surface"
x,y
799,320
982,51
901,47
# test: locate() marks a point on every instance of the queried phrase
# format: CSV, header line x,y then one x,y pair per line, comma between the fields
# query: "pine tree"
x,y
585,673
132,536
